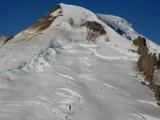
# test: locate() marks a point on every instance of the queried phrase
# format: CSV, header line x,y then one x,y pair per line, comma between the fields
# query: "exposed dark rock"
x,y
141,43
147,63
158,62
158,103
157,93
42,23
135,51
57,7
2,38
47,20
95,29
120,31
95,26
8,39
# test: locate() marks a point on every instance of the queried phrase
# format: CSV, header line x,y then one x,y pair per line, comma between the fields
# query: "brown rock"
x,y
147,63
141,43
46,20
158,62
157,92
95,29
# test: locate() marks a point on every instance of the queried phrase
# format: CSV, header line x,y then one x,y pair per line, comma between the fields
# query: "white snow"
x,y
120,25
148,102
109,86
125,29
144,117
59,75
66,76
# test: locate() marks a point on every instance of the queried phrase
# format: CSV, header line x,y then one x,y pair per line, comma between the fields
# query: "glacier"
x,y
57,74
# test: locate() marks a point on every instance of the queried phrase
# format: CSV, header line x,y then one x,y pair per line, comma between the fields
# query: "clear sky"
x,y
16,15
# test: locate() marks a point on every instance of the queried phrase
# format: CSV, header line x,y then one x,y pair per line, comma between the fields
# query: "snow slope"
x,y
57,74
120,25
125,29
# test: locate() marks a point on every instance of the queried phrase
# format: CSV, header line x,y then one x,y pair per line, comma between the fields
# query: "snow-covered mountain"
x,y
73,65
120,25
124,28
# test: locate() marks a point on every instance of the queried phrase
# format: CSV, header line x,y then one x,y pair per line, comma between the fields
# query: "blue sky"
x,y
144,15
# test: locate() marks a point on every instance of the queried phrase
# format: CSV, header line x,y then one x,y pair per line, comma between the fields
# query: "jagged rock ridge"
x,y
147,64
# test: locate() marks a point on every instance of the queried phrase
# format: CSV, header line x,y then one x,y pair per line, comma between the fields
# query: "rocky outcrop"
x,y
46,20
147,64
8,39
158,62
95,29
141,43
3,38
42,23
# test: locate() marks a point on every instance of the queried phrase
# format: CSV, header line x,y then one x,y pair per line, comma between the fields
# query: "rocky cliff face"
x,y
148,64
47,20
2,38
95,29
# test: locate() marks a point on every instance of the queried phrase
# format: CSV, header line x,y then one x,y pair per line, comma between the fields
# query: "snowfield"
x,y
57,74
125,29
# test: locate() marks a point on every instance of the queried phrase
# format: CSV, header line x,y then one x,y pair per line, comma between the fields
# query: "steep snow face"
x,y
125,29
58,74
77,14
119,24
72,19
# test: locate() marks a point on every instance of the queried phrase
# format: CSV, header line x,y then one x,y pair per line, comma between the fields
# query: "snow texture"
x,y
125,29
57,74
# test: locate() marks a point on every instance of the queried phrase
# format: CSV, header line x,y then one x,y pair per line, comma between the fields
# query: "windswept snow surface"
x,y
125,29
119,24
59,75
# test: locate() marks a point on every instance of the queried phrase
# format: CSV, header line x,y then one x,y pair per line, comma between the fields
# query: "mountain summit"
x,y
75,64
